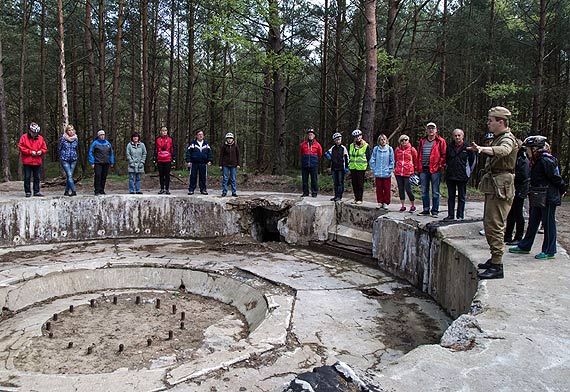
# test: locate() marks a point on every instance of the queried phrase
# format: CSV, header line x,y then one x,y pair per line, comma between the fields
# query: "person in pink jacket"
x,y
405,157
32,148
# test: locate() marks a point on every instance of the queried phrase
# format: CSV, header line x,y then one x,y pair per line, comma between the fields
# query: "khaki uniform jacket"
x,y
499,169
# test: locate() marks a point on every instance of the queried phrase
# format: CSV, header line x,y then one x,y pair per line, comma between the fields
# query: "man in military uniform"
x,y
498,186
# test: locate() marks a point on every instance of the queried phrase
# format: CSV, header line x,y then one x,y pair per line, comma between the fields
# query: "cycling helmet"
x,y
356,132
311,130
229,135
537,141
488,136
34,127
336,135
414,180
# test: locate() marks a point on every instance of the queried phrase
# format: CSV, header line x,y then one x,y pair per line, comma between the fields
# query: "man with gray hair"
x,y
460,163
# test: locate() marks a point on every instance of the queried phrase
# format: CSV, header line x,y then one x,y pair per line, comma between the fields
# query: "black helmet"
x,y
488,136
537,141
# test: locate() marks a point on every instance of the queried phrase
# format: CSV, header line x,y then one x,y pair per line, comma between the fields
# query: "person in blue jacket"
x,y
382,165
101,157
198,157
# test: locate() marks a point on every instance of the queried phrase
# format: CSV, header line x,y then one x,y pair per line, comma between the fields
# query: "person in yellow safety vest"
x,y
359,154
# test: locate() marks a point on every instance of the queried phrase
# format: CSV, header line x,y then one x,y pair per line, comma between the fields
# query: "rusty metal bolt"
x,y
50,335
182,315
89,350
48,326
173,309
70,308
92,303
121,347
170,335
182,325
138,299
149,342
158,303
70,345
115,300
54,317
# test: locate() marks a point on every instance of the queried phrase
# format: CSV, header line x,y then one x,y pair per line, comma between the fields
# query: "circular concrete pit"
x,y
256,314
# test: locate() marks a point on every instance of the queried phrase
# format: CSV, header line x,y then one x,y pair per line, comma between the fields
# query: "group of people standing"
x,y
101,157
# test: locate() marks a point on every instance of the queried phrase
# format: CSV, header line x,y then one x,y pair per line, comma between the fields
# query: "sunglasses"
x,y
404,140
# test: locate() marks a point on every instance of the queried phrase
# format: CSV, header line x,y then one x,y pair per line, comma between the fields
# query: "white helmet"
x,y
336,135
34,127
356,132
229,135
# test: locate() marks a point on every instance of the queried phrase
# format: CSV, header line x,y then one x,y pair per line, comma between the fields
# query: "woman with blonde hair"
x,y
67,151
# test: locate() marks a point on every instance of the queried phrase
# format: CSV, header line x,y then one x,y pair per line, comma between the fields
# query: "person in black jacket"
x,y
338,155
460,163
545,179
198,157
522,180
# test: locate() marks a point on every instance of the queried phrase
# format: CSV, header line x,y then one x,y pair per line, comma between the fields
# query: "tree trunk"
x,y
539,73
25,20
264,121
145,80
323,123
171,67
392,105
117,72
276,48
43,104
62,76
369,101
340,19
188,105
102,93
4,147
92,79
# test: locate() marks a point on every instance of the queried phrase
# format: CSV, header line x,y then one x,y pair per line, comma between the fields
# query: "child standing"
x,y
382,164
338,155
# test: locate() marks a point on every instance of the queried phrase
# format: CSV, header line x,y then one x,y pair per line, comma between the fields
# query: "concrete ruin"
x,y
303,309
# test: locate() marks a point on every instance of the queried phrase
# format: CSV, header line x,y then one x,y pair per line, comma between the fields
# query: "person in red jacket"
x,y
405,157
32,148
311,151
164,158
430,163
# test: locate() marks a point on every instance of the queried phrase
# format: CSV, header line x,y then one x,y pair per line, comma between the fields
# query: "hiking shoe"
x,y
435,214
543,256
448,218
518,250
402,209
412,209
167,192
512,242
494,272
38,194
73,193
234,195
486,265
423,213
204,192
160,192
28,195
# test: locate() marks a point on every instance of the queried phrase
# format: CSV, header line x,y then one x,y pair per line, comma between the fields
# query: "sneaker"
x,y
139,193
66,193
482,232
223,194
204,192
314,195
518,250
402,209
424,213
102,192
358,202
512,242
544,256
160,192
234,194
190,193
334,199
132,193
304,195
167,192
38,195
73,193
448,218
28,195
412,209
494,272
435,214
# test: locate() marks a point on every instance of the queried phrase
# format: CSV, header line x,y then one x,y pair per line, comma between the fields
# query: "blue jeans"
x,y
229,172
30,170
134,182
547,216
338,180
425,179
69,168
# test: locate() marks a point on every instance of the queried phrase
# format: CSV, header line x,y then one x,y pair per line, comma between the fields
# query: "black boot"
x,y
493,272
486,265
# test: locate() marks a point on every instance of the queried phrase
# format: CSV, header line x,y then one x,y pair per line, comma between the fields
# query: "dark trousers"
x,y
198,170
547,216
30,170
164,175
404,188
101,171
338,181
515,218
312,172
461,188
357,178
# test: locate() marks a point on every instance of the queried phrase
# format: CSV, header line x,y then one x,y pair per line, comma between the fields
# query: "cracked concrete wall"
x,y
426,259
47,220
307,222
